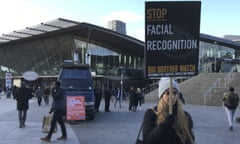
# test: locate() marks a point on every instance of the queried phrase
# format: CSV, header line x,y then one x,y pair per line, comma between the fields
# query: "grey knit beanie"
x,y
164,84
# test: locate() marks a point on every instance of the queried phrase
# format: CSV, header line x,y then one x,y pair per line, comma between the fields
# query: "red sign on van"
x,y
76,108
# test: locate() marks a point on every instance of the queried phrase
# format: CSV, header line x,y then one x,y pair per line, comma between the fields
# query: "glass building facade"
x,y
113,57
215,58
108,66
106,62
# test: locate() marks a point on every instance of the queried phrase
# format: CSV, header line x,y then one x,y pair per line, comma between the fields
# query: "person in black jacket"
x,y
107,98
162,127
98,98
131,98
58,109
22,96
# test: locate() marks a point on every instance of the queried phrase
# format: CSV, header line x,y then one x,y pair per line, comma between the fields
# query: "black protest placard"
x,y
172,32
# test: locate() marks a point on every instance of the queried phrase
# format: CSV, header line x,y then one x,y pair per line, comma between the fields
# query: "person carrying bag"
x,y
58,108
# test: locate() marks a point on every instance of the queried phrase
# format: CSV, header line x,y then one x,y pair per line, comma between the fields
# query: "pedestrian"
x,y
14,91
98,98
139,98
58,112
118,98
22,97
39,94
160,125
230,101
46,95
107,98
131,98
8,92
135,101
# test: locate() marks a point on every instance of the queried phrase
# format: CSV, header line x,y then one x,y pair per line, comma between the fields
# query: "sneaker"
x,y
46,139
231,128
62,138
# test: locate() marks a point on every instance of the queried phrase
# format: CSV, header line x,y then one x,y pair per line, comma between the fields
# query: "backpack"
x,y
231,100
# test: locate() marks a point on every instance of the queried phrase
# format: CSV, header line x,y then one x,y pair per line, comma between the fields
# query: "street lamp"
x,y
215,57
121,82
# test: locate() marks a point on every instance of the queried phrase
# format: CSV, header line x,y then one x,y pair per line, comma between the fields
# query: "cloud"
x,y
17,15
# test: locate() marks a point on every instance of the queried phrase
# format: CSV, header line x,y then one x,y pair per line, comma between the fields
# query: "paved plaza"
x,y
210,124
11,133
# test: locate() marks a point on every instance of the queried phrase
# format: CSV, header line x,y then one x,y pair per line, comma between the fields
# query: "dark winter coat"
x,y
46,92
107,94
58,98
162,134
39,93
131,96
23,96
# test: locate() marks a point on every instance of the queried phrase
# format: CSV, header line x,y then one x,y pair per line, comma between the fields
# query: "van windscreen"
x,y
76,74
76,79
76,84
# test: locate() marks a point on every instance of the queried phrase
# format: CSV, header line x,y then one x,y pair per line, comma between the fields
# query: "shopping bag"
x,y
46,124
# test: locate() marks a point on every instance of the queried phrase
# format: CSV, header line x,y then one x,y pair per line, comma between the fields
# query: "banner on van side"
x,y
76,108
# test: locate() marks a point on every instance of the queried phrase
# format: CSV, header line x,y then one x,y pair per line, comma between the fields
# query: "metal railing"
x,y
154,85
150,88
211,89
217,84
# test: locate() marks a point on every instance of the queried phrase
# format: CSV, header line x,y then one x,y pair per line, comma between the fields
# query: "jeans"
x,y
118,100
57,117
22,115
230,115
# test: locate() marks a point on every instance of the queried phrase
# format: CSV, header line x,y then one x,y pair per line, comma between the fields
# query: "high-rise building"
x,y
117,25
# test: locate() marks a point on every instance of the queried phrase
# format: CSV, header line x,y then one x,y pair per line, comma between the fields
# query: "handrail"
x,y
154,85
211,87
150,87
228,77
218,82
209,91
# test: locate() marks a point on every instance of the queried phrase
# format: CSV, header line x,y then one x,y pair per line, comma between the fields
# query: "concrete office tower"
x,y
118,26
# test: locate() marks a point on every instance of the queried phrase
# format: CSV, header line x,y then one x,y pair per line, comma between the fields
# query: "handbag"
x,y
46,124
138,140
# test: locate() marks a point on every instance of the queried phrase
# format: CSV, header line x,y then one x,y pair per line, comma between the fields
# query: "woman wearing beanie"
x,y
161,127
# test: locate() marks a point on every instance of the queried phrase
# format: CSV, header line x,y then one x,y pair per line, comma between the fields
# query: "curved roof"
x,y
219,41
90,33
96,34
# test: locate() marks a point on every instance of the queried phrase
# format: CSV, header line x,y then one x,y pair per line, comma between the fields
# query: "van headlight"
x,y
90,88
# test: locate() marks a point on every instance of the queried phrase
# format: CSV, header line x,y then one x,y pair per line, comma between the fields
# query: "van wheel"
x,y
91,117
